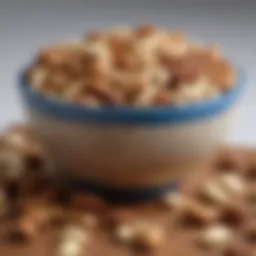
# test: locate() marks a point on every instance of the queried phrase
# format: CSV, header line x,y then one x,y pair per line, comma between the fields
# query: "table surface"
x,y
26,26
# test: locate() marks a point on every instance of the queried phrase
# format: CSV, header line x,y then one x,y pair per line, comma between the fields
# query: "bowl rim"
x,y
131,115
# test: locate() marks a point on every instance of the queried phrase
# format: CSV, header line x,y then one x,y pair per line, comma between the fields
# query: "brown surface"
x,y
180,240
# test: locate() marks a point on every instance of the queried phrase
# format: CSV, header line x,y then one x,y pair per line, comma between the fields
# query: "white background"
x,y
27,25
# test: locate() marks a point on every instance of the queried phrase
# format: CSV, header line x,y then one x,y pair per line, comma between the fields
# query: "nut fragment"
x,y
215,237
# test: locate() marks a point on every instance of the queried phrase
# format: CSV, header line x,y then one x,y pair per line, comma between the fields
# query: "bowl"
x,y
129,148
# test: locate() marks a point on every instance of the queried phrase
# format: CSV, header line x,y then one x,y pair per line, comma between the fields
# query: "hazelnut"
x,y
233,215
215,237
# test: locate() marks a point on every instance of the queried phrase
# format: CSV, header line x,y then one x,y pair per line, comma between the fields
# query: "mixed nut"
x,y
221,218
144,66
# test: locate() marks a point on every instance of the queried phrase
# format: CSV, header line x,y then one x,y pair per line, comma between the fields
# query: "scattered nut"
x,y
74,233
237,250
232,161
251,195
69,248
232,184
56,215
174,200
72,241
233,215
148,237
251,173
11,165
198,214
250,233
142,236
117,217
90,220
26,229
215,237
125,233
213,193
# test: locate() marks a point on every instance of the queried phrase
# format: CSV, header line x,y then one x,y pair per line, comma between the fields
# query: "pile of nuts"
x,y
221,212
145,66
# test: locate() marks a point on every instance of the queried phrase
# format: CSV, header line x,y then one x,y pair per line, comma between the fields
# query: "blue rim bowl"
x,y
131,115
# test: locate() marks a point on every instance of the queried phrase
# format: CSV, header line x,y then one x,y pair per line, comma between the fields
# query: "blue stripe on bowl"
x,y
131,115
122,195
